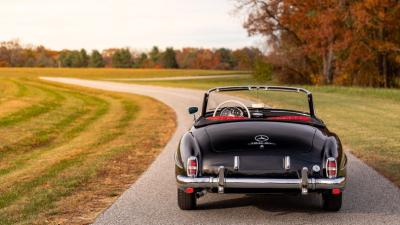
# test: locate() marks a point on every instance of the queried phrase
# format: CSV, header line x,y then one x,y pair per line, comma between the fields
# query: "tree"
x,y
122,58
4,58
84,58
278,21
72,58
225,58
169,59
155,54
76,59
262,70
14,54
375,45
141,61
204,59
65,59
186,57
348,42
107,56
246,57
41,57
96,60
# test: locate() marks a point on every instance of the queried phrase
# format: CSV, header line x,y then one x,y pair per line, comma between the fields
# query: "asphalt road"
x,y
368,199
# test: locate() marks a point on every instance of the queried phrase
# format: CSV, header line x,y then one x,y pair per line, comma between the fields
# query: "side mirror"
x,y
193,110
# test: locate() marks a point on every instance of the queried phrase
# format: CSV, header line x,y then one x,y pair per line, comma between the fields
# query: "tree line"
x,y
349,42
13,54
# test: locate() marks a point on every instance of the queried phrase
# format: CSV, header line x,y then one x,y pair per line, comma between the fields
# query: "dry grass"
x,y
107,73
66,152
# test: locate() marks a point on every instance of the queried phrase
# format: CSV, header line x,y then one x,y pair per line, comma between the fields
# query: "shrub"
x,y
262,70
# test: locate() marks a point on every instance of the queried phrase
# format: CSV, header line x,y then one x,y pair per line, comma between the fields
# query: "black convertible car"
x,y
242,144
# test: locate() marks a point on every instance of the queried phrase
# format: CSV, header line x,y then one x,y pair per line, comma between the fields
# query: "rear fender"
x,y
188,146
333,148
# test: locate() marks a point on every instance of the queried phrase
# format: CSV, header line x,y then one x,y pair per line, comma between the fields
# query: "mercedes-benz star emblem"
x,y
261,138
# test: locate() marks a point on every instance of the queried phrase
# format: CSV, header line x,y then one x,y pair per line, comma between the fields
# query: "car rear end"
x,y
288,160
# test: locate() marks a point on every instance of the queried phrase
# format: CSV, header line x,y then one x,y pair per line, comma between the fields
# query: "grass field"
x,y
66,152
109,73
366,119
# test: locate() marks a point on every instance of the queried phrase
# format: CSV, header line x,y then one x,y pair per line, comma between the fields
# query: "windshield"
x,y
258,99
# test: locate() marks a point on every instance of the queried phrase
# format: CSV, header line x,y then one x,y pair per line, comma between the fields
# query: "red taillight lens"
x,y
192,166
331,168
189,190
336,191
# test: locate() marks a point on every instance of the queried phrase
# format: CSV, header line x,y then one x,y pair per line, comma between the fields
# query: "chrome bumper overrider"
x,y
304,183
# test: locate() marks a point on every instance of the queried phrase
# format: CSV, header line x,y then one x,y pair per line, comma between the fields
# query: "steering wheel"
x,y
232,101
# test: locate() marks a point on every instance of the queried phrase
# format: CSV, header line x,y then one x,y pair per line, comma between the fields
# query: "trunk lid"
x,y
268,137
261,147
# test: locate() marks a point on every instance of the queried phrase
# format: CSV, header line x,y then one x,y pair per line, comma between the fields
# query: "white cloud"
x,y
119,23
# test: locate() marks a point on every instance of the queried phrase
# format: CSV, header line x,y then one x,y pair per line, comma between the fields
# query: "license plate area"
x,y
260,163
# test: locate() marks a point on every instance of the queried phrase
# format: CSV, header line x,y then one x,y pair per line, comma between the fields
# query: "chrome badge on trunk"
x,y
261,140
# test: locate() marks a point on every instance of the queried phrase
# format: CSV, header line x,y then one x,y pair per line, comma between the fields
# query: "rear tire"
x,y
331,202
186,201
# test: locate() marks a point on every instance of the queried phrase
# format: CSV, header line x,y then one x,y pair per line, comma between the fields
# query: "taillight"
x,y
189,190
192,166
336,191
331,168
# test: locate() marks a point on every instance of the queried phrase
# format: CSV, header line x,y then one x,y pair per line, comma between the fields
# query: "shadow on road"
x,y
272,203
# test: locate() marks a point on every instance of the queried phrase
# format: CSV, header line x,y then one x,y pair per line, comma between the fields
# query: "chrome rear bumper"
x,y
304,183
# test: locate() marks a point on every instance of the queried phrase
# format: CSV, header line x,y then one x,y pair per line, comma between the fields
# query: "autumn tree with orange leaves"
x,y
335,42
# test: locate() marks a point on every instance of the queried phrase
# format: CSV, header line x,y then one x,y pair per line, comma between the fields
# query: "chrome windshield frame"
x,y
266,88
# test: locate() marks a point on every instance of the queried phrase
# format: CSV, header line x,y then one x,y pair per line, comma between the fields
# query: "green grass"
x,y
57,143
53,101
366,119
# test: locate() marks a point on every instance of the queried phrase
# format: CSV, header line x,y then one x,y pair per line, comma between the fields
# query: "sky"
x,y
139,24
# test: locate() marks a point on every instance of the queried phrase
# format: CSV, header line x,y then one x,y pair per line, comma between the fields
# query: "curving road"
x,y
368,199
